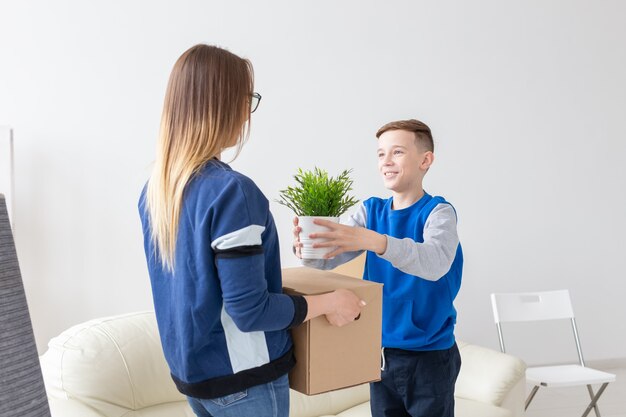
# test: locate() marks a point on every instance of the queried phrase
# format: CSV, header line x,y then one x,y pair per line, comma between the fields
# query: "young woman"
x,y
212,249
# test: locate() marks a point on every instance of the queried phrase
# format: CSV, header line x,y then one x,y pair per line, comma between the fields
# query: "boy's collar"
x,y
409,202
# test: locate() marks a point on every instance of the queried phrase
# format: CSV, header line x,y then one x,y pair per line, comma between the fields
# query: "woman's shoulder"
x,y
218,177
218,172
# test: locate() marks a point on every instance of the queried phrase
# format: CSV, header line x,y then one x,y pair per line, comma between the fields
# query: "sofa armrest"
x,y
516,398
490,376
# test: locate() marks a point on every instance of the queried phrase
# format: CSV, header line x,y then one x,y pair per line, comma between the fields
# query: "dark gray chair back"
x,y
22,392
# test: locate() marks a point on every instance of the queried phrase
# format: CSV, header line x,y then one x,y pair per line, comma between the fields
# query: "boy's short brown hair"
x,y
423,136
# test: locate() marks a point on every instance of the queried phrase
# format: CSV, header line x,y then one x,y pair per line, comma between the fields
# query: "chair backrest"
x,y
22,392
534,306
531,306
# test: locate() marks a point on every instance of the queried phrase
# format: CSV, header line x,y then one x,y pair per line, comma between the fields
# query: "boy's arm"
x,y
433,258
356,219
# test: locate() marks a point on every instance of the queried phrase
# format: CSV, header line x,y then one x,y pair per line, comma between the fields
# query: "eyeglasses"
x,y
254,101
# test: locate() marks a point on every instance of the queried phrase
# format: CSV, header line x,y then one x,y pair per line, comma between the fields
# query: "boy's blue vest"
x,y
417,314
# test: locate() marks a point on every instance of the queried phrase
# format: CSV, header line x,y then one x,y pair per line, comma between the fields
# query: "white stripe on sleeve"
x,y
248,236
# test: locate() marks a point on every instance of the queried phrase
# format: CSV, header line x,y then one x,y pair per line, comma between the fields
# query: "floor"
x,y
571,402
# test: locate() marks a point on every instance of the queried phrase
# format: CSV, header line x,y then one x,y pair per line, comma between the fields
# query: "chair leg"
x,y
531,396
591,395
594,400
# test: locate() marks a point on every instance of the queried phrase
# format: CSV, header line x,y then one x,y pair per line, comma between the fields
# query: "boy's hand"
x,y
348,239
297,246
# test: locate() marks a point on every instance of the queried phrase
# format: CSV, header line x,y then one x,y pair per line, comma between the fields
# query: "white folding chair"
x,y
550,305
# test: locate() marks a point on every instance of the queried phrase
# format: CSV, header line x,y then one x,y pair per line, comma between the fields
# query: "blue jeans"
x,y
416,384
267,400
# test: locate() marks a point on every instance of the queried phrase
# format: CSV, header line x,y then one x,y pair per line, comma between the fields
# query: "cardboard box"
x,y
329,357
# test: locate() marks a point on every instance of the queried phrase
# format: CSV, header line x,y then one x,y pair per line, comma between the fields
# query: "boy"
x,y
414,250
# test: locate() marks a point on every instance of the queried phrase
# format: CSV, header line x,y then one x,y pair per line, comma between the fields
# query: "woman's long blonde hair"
x,y
206,109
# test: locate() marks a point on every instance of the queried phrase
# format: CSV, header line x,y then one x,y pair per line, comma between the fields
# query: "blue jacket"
x,y
221,314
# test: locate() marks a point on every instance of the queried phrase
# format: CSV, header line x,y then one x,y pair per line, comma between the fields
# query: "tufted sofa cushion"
x,y
329,403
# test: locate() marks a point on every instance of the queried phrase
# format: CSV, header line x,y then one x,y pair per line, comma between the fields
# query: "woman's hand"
x,y
347,238
346,308
340,307
297,246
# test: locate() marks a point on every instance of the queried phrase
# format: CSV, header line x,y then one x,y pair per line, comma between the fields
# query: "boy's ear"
x,y
427,160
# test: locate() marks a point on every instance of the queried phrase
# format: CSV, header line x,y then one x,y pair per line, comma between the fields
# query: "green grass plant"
x,y
317,194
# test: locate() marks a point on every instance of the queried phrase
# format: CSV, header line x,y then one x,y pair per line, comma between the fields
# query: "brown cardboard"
x,y
353,268
329,357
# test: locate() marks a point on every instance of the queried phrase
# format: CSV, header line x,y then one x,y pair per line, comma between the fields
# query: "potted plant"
x,y
317,196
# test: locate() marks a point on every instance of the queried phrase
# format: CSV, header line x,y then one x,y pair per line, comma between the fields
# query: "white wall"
x,y
6,170
526,101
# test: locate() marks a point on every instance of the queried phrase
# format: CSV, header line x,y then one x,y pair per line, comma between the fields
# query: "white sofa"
x,y
114,367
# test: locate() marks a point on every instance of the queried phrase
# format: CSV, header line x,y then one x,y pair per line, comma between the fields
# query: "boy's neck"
x,y
406,199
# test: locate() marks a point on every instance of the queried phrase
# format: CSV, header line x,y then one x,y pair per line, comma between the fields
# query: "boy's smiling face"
x,y
400,162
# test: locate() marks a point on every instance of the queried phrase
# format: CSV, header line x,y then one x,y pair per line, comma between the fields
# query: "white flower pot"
x,y
308,227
